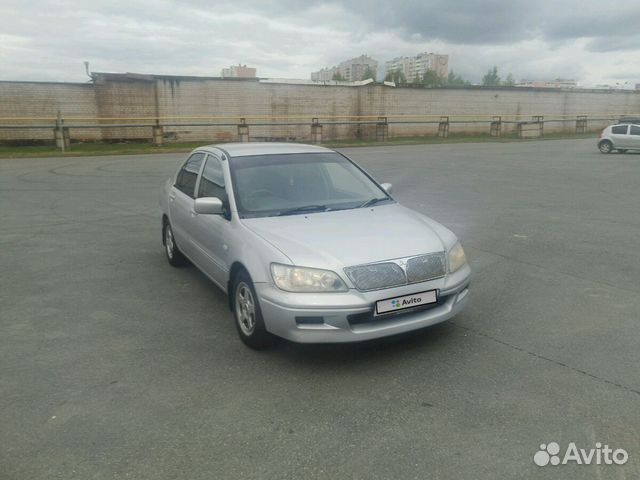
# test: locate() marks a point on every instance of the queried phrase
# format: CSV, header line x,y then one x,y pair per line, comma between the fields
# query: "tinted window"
x,y
212,181
635,130
186,181
619,129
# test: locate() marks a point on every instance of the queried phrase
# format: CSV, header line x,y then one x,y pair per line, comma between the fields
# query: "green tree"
x,y
338,76
491,78
397,76
456,80
432,79
369,73
509,81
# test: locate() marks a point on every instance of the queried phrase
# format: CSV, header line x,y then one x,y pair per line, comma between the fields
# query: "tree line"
x,y
432,79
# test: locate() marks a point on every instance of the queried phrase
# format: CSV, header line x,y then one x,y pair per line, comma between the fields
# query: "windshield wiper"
x,y
371,202
304,208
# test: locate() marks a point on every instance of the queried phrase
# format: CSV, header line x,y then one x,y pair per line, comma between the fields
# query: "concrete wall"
x,y
198,98
125,98
118,96
37,99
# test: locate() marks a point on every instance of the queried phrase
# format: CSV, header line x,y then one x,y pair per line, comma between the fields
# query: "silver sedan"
x,y
308,246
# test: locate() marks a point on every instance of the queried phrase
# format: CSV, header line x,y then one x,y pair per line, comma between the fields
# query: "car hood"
x,y
334,240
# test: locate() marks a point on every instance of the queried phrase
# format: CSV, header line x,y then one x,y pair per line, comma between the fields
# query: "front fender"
x,y
254,253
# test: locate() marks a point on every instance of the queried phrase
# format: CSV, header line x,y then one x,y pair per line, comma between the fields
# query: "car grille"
x,y
425,267
374,276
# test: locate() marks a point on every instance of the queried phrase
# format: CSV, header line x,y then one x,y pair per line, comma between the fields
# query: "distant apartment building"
x,y
418,65
324,74
238,71
352,70
557,83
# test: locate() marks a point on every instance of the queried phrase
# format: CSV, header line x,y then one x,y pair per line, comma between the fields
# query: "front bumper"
x,y
348,316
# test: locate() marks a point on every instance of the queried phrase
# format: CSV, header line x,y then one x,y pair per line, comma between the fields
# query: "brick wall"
x,y
118,96
39,99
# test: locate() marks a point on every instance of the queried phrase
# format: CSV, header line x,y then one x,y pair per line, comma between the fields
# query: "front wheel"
x,y
247,313
605,147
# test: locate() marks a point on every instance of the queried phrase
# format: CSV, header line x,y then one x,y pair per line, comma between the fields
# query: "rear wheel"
x,y
247,313
605,146
171,250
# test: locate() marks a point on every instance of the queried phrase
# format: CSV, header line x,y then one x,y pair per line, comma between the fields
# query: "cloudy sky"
x,y
593,42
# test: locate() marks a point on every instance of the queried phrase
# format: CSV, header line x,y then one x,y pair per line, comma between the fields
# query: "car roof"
x,y
627,120
264,148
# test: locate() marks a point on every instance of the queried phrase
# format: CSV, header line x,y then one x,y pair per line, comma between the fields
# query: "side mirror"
x,y
208,206
387,187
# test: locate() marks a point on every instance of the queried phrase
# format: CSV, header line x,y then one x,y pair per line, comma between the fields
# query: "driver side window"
x,y
212,182
186,180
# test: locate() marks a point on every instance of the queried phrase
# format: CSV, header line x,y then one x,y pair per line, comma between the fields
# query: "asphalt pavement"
x,y
115,365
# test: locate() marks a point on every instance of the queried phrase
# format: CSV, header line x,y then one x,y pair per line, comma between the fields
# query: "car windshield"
x,y
289,184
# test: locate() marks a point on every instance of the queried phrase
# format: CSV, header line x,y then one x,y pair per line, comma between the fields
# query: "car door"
x,y
211,232
181,202
634,136
619,136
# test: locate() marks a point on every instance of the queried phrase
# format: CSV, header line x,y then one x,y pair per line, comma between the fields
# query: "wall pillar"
x,y
496,127
539,119
443,127
61,133
382,130
158,135
243,131
63,138
581,124
316,131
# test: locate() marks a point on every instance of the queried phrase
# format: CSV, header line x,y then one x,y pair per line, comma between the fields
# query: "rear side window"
x,y
186,181
620,129
635,130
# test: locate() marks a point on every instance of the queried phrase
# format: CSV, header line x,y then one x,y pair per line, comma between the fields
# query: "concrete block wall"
x,y
119,98
148,96
478,103
212,97
44,99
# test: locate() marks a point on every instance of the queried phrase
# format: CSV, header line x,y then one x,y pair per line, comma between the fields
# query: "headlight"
x,y
304,279
457,258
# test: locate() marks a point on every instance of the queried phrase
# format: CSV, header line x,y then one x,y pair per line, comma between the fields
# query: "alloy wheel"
x,y
245,309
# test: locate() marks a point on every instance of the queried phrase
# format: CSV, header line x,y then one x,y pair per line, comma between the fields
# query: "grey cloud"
x,y
475,22
290,38
613,44
591,20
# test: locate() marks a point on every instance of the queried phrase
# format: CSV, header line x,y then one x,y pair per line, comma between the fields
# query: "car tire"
x,y
248,315
171,250
605,146
622,150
